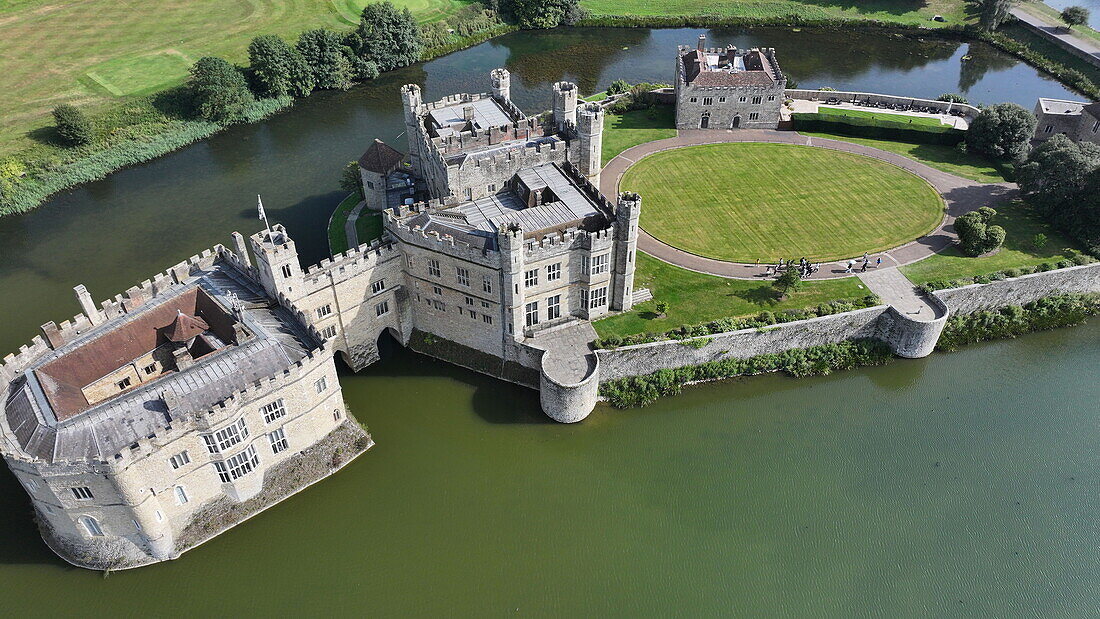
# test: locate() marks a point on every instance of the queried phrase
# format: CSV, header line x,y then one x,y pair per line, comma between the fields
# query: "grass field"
x,y
695,298
637,127
939,156
896,11
926,121
743,202
337,234
94,52
1021,226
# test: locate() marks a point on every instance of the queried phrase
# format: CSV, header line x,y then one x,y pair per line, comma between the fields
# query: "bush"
x,y
951,97
1002,131
350,179
618,87
1011,321
976,236
219,90
73,127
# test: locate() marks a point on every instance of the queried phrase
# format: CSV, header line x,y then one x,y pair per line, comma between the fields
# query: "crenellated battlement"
x,y
352,263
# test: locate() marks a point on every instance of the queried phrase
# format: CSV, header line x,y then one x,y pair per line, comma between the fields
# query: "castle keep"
x,y
137,425
727,88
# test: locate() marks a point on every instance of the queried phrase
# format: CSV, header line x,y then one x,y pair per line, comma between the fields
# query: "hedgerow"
x,y
1013,320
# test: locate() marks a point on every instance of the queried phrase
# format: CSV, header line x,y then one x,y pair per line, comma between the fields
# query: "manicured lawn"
x,y
939,156
1021,226
92,52
893,11
695,298
894,118
337,235
743,202
368,226
637,127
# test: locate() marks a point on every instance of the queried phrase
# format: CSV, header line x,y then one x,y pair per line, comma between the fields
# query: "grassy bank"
x,y
942,157
337,232
886,11
622,131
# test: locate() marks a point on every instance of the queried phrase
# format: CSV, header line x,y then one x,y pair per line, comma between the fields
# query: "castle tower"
x,y
512,295
414,104
565,104
590,131
627,212
277,261
148,514
502,84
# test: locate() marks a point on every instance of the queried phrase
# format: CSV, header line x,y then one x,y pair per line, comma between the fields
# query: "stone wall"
x,y
969,111
568,402
727,106
1020,290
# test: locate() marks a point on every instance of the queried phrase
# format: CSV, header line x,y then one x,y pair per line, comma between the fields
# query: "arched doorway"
x,y
388,343
736,122
704,122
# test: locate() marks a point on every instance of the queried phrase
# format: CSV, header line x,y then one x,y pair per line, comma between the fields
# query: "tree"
x,y
787,283
1075,16
73,126
350,179
533,14
994,12
219,90
976,236
278,68
386,36
1039,241
618,87
1053,176
662,308
950,97
1002,131
323,52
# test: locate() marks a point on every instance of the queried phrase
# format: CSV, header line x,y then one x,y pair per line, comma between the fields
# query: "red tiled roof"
x,y
380,158
185,327
758,71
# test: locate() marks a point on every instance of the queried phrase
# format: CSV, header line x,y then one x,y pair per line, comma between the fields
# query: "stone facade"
x,y
728,88
1077,120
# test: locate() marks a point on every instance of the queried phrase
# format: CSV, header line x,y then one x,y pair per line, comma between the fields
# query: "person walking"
x,y
851,263
878,262
865,256
863,269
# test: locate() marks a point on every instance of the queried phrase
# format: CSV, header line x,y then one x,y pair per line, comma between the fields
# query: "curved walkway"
x,y
961,196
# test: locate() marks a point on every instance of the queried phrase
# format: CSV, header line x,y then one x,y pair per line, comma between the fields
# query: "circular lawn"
x,y
748,201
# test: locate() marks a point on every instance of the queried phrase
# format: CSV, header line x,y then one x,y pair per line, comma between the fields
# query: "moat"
x,y
907,489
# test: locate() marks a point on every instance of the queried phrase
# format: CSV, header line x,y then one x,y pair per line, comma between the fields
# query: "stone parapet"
x,y
969,111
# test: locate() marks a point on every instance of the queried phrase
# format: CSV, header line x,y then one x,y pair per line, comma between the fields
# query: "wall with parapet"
x,y
1020,290
969,111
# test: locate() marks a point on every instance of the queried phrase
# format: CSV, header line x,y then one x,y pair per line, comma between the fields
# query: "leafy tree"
x,y
73,126
618,87
533,14
324,52
788,282
994,12
662,308
1075,16
278,68
386,36
219,90
350,179
1039,241
1053,177
976,236
951,97
1002,131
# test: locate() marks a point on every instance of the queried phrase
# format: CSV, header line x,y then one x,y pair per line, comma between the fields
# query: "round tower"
x,y
502,84
565,104
627,212
590,133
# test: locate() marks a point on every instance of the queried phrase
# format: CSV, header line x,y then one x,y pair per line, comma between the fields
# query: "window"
x,y
124,383
336,414
771,97
753,115
463,276
599,264
694,99
553,307
756,100
439,305
91,525
32,485
274,410
1049,129
485,304
382,308
584,298
181,495
553,272
487,285
82,493
487,319
491,188
599,298
1095,126
238,466
742,99
721,99
437,290
180,459
278,441
151,368
233,433
433,267
473,314
286,270
329,332
409,259
470,190
469,300
531,278
532,313
320,385
370,184
708,101
324,310
378,286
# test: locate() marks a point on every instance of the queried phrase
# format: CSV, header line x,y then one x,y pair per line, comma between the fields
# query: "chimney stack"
x,y
468,112
702,42
93,313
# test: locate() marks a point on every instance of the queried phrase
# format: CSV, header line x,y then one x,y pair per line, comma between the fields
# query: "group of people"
x,y
805,267
866,262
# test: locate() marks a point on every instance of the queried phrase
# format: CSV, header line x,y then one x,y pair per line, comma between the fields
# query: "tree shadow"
x,y
760,295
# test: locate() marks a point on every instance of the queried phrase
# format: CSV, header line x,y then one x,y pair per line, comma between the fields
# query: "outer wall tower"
x,y
590,131
277,262
502,84
627,212
413,103
565,104
512,294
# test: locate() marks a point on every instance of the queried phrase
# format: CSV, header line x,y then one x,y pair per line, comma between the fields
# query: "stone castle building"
x,y
1078,120
138,425
728,88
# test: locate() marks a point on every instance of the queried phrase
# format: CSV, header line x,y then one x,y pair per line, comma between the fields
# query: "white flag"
x,y
260,207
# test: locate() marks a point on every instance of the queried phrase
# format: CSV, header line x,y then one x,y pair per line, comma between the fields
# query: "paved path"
x,y
961,195
895,289
349,225
1056,30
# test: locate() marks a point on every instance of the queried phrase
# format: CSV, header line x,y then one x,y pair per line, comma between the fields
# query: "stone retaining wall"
x,y
1020,290
970,112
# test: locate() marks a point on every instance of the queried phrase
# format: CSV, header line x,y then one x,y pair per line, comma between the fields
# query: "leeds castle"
x,y
152,421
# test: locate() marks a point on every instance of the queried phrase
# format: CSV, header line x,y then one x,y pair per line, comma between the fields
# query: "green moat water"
x,y
961,484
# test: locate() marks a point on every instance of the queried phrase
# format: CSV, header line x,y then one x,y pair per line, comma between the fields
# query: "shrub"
x,y
219,90
662,308
73,126
350,179
976,236
277,68
618,87
1002,131
1039,241
1011,321
951,97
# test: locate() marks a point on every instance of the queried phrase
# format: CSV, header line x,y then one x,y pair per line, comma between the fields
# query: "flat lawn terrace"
x,y
914,12
927,121
748,202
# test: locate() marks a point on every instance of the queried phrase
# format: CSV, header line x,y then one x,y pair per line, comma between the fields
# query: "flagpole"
x,y
263,215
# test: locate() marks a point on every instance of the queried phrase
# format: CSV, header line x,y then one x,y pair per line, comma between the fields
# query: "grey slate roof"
x,y
487,113
278,341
